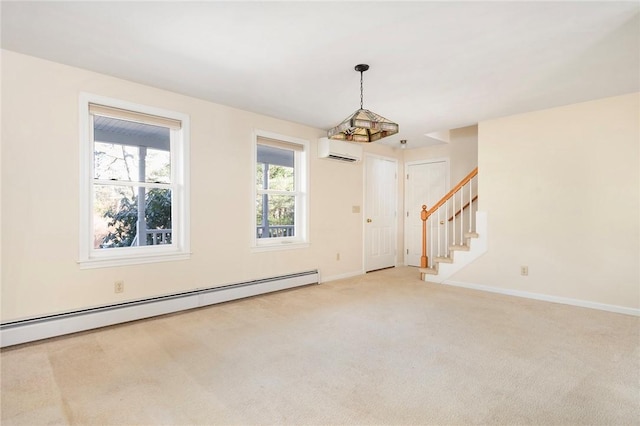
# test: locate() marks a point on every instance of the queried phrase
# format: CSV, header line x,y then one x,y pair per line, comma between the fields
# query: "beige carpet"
x,y
384,348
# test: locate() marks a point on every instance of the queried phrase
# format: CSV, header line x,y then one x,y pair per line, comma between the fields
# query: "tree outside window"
x,y
134,185
280,190
132,172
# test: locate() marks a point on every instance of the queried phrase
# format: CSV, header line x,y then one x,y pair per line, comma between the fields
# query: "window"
x,y
134,193
280,191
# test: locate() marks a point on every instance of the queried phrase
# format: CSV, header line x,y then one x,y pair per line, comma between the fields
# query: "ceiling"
x,y
434,65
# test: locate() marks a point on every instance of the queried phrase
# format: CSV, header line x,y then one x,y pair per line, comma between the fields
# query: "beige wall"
x,y
561,188
461,150
40,196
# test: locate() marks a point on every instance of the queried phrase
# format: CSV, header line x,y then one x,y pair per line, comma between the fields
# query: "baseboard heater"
x,y
28,330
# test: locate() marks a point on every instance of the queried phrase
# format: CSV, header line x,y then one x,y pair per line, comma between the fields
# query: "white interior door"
x,y
380,235
425,184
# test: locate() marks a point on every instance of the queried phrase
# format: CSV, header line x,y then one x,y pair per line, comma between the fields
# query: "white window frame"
x,y
179,249
301,175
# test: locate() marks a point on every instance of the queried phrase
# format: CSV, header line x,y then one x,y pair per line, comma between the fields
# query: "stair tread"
x,y
459,247
443,259
429,271
471,235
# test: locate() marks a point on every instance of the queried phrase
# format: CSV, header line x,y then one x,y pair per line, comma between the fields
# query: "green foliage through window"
x,y
123,221
280,208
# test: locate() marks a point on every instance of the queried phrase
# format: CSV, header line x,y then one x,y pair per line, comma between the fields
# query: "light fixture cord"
x,y
360,89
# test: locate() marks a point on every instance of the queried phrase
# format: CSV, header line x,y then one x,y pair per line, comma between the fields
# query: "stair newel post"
x,y
424,260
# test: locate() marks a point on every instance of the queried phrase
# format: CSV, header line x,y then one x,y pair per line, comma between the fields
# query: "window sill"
x,y
111,262
279,246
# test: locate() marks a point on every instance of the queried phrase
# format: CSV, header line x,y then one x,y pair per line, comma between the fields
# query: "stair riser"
x,y
475,245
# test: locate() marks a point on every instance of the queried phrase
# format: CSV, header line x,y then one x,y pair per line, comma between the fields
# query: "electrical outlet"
x,y
524,270
118,286
337,256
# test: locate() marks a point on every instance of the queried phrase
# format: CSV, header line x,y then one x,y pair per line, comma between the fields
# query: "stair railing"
x,y
454,217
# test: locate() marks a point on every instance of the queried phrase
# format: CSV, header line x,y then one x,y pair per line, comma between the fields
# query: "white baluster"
x,y
453,222
428,243
470,204
431,242
461,221
438,233
446,230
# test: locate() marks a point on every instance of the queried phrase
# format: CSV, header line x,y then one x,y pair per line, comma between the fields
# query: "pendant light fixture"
x,y
363,125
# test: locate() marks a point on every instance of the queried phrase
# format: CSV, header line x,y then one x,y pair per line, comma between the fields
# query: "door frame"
x,y
447,185
367,157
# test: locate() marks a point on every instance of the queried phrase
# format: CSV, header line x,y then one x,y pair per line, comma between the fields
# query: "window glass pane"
x,y
158,216
122,147
275,178
122,162
261,201
272,155
260,175
158,166
275,216
115,216
275,168
116,162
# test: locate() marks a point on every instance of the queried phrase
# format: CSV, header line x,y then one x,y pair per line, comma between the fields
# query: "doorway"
x,y
425,183
380,227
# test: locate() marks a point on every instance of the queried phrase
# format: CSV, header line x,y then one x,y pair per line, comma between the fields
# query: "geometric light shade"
x,y
363,125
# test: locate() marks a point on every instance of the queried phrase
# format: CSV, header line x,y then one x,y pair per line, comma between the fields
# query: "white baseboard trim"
x,y
28,330
340,276
547,298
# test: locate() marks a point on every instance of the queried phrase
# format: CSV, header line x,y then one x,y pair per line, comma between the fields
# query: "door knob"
x,y
369,221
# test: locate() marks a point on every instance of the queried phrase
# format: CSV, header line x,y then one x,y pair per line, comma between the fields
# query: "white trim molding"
x,y
31,329
340,276
301,192
547,298
179,248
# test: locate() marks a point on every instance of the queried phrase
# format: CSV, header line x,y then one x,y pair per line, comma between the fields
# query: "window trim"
x,y
301,238
180,248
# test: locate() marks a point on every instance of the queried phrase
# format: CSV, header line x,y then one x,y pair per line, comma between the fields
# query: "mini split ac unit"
x,y
338,150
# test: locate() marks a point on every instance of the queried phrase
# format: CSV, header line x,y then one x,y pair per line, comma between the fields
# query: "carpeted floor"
x,y
384,348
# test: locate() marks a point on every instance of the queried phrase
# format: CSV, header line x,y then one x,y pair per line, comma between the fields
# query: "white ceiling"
x,y
434,65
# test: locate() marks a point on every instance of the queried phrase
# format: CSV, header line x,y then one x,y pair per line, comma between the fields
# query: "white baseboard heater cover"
x,y
28,330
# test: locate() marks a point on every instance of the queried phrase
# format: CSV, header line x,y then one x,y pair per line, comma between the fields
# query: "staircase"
x,y
453,231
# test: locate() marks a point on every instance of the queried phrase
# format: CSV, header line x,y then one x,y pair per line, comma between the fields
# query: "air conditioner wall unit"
x,y
348,152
